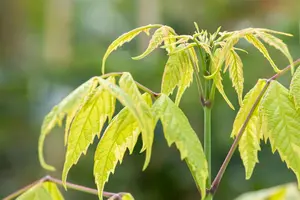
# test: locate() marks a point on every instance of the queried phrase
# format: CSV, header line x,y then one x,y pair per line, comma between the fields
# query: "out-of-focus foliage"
x,y
32,80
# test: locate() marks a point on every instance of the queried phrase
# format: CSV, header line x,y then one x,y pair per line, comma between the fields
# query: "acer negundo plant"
x,y
268,112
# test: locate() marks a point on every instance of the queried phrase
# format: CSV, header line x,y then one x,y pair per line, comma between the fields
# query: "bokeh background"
x,y
49,47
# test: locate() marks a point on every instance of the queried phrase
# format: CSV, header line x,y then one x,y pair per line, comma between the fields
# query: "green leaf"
x,y
121,134
218,79
88,123
249,142
295,88
236,74
127,196
44,191
278,44
67,106
179,72
261,47
178,130
126,37
131,98
282,123
157,39
282,192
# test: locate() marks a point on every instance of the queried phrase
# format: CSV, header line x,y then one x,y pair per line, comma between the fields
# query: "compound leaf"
x,y
67,106
126,37
121,134
295,88
261,47
282,125
178,130
129,95
88,122
249,142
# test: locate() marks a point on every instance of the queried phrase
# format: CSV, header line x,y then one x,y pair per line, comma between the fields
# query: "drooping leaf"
x,y
250,140
187,69
172,74
282,122
295,88
236,75
156,40
121,134
278,44
147,127
261,47
179,71
126,37
67,106
131,98
44,191
88,122
218,80
178,130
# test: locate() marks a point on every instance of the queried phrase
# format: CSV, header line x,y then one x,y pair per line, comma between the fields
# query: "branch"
x,y
116,196
140,86
234,145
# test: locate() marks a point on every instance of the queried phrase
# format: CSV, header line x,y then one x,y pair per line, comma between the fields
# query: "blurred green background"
x,y
49,47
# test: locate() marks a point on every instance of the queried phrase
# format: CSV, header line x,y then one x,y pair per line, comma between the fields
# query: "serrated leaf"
x,y
156,40
236,75
217,78
126,37
121,134
283,122
44,191
278,44
178,130
67,106
131,98
179,72
249,144
295,88
88,122
261,47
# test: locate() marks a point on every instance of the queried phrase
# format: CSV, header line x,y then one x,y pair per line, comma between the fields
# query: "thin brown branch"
x,y
116,196
234,145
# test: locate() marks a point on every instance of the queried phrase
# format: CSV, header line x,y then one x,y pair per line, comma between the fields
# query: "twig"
x,y
234,145
115,196
139,85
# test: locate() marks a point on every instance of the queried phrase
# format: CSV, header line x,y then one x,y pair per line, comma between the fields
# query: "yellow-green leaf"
x,y
88,123
282,122
295,88
156,40
250,140
217,78
261,47
67,106
236,75
178,130
121,134
278,44
283,192
126,37
44,191
179,71
171,75
129,95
